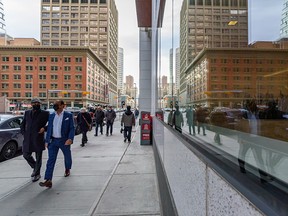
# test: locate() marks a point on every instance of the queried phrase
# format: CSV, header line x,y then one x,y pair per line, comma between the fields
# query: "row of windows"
x,y
41,77
249,61
232,3
41,59
40,86
76,1
41,68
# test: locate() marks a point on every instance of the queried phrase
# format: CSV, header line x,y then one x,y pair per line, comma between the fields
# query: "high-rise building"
x,y
284,21
92,23
120,70
2,20
177,69
129,81
210,24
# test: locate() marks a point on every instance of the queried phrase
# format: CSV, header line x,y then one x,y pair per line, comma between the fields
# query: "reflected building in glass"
x,y
210,24
284,21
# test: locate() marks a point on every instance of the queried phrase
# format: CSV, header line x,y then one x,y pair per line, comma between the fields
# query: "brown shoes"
x,y
47,183
67,173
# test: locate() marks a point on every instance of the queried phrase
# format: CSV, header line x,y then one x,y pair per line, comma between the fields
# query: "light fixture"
x,y
232,22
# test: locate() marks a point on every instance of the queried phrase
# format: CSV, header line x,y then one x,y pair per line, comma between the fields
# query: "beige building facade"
x,y
91,23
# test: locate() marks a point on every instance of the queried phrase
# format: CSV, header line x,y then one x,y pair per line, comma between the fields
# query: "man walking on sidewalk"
x,y
128,120
32,129
110,115
99,117
60,135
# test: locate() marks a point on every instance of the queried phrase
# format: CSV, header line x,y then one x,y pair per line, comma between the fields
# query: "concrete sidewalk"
x,y
108,177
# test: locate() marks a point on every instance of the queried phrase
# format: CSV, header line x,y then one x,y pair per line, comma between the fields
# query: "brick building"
x,y
74,74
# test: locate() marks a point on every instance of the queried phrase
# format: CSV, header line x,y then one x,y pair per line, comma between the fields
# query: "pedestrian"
x,y
99,118
110,116
32,128
60,135
170,118
85,123
136,113
128,120
190,116
178,120
201,119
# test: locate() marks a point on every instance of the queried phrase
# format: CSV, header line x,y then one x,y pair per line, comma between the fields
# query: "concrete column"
x,y
145,68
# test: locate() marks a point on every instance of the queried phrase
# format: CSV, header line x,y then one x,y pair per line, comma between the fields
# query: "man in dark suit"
x,y
32,128
60,135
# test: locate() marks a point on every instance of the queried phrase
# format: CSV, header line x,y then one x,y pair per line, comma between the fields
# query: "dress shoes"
x,y
36,178
33,174
67,173
47,183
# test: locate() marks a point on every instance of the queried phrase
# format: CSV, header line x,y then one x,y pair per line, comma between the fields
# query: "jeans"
x,y
101,128
127,133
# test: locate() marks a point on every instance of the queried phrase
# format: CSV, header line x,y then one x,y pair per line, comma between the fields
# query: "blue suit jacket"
x,y
67,128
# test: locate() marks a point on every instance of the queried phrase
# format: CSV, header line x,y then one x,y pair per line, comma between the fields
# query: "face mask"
x,y
55,107
36,107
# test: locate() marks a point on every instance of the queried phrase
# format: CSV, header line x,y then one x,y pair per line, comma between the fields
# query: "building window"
x,y
17,77
17,59
29,59
54,59
42,59
84,1
67,68
93,1
28,77
16,94
42,68
54,77
5,86
78,77
67,77
102,1
54,68
16,85
17,68
42,94
42,77
67,59
67,86
78,86
5,67
42,86
65,1
54,86
5,59
28,85
78,59
68,95
28,94
29,68
78,68
75,1
46,1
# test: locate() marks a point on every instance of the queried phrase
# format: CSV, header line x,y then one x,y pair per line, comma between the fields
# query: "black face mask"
x,y
55,107
36,107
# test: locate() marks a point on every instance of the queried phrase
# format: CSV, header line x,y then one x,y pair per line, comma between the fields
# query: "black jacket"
x,y
32,123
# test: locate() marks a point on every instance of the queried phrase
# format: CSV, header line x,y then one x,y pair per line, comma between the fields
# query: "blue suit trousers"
x,y
53,149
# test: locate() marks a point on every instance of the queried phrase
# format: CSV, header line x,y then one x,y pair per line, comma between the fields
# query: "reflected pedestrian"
x,y
170,118
190,116
178,120
60,135
32,128
201,118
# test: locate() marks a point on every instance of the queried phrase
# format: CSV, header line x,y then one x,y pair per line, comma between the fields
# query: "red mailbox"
x,y
146,128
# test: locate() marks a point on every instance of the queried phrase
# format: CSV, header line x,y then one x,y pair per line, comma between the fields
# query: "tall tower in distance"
x,y
284,21
120,70
2,20
213,24
92,23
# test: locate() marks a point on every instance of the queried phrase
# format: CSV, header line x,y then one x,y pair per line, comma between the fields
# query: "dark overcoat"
x,y
32,123
81,121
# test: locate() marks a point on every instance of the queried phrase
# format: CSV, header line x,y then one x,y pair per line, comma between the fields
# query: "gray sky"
x,y
23,20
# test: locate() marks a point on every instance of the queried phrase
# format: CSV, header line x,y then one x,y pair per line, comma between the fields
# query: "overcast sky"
x,y
23,20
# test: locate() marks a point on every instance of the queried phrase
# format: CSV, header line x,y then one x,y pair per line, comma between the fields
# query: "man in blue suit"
x,y
60,135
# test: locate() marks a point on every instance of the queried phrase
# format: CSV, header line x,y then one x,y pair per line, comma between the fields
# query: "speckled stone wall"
x,y
196,189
